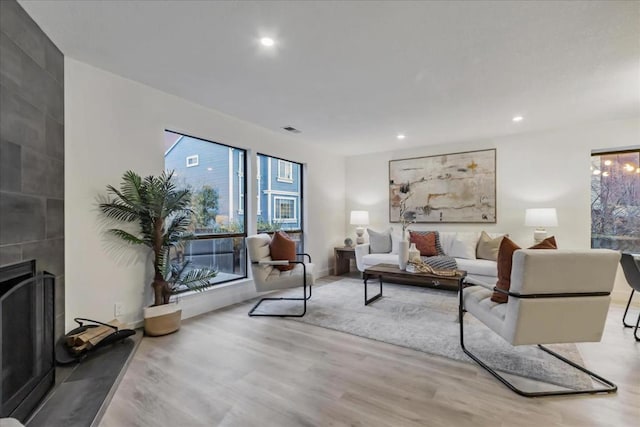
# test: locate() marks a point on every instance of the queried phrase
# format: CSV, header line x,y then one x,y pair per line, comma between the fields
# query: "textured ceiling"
x,y
351,75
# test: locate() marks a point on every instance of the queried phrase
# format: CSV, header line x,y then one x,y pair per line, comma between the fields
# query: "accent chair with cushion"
x,y
556,296
272,273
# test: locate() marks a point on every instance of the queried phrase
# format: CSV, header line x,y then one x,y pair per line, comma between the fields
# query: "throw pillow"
x,y
505,262
426,243
282,248
379,243
464,245
487,247
439,249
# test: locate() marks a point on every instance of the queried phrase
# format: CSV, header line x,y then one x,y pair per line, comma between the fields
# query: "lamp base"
x,y
359,234
539,234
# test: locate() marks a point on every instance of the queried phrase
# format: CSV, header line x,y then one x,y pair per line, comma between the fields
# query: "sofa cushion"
x,y
488,247
373,259
464,245
282,248
480,267
379,243
505,262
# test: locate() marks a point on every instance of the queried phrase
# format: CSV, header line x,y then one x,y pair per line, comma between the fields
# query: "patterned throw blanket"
x,y
441,262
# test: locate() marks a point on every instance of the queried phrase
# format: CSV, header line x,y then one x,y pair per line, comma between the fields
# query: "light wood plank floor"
x,y
226,369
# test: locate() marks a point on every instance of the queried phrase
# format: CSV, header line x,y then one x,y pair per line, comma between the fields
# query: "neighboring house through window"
x,y
217,200
279,197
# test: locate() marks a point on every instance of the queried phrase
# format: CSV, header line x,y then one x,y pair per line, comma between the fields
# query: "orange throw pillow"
x,y
505,262
426,243
282,248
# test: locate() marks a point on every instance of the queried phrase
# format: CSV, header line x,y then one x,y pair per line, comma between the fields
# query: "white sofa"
x,y
460,245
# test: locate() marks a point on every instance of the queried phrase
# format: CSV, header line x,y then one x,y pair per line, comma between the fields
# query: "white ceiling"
x,y
351,75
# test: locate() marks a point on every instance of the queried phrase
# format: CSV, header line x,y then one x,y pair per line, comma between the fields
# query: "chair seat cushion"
x,y
477,301
277,279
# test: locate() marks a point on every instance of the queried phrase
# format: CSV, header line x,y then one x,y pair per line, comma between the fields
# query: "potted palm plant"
x,y
163,215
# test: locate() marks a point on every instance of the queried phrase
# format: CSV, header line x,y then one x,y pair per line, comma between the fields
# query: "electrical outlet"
x,y
118,309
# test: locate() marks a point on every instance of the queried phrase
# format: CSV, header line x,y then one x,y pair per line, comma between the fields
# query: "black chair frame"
x,y
609,386
304,299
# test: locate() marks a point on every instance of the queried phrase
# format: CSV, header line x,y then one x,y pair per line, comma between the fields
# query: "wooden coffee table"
x,y
391,271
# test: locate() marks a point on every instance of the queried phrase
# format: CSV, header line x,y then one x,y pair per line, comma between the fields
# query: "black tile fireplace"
x,y
26,338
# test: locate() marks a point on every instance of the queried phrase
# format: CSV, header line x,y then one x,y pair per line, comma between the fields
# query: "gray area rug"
x,y
425,319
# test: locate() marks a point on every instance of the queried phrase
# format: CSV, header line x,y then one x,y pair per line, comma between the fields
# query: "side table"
x,y
343,256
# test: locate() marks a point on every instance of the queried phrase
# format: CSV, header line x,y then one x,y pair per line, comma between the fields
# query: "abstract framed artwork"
x,y
457,187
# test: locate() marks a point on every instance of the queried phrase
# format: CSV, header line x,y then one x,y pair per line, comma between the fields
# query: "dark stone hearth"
x,y
86,388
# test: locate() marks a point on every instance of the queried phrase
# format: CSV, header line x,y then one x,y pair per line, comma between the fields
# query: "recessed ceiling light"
x,y
267,41
401,136
517,119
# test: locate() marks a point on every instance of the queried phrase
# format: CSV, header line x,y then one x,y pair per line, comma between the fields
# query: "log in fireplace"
x,y
26,338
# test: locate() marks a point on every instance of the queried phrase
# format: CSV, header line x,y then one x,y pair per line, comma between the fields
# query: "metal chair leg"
x,y
304,302
624,317
610,387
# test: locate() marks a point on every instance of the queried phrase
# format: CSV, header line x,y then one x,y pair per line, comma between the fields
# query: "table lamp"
x,y
359,218
540,218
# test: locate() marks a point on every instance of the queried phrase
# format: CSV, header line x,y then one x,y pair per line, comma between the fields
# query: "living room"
x,y
115,118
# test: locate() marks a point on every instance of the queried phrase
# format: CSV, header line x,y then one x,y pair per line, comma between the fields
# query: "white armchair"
x,y
268,278
556,296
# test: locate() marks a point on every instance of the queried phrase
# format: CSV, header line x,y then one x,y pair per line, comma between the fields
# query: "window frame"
x,y
192,157
211,236
279,198
608,238
285,166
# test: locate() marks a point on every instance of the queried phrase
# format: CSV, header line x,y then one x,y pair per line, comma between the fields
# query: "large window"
x,y
615,200
279,184
215,174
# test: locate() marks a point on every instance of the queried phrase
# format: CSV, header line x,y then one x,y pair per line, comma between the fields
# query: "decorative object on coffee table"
x,y
406,219
414,253
457,187
360,219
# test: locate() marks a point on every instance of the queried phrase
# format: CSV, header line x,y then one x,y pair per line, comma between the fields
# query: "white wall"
x,y
114,124
543,169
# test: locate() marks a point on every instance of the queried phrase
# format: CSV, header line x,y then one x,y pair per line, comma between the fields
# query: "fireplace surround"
x,y
26,338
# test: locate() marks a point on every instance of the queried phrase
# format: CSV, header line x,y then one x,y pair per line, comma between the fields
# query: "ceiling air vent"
x,y
291,129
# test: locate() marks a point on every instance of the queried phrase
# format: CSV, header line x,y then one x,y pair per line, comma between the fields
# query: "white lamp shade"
x,y
359,218
541,217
